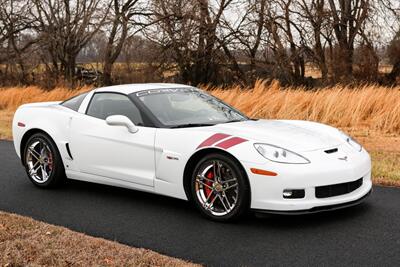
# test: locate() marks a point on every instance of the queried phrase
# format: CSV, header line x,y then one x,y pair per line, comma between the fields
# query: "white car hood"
x,y
299,136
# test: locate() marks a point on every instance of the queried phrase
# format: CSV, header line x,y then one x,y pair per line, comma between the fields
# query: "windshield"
x,y
188,107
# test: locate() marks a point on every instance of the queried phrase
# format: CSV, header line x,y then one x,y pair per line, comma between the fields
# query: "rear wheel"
x,y
220,188
42,161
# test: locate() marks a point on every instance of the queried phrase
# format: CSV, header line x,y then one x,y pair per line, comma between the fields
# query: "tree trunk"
x,y
108,63
320,55
69,69
395,72
346,56
343,62
324,71
107,70
114,50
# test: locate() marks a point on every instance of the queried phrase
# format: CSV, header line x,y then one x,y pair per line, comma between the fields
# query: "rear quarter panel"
x,y
49,117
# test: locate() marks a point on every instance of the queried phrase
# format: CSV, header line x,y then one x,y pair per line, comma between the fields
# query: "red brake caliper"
x,y
209,175
50,162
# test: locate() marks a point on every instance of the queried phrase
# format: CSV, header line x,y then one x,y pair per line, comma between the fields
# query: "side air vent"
x,y
69,151
330,151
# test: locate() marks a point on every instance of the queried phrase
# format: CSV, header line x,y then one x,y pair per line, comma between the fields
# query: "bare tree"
x,y
247,34
348,17
125,20
202,41
209,22
285,41
394,55
188,31
393,10
15,40
316,31
65,27
174,33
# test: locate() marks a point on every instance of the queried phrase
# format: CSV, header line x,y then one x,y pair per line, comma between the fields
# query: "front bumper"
x,y
324,169
319,208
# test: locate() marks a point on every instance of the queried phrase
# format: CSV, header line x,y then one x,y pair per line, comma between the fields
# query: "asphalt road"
x,y
366,235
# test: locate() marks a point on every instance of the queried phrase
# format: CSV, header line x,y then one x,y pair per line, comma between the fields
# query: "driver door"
x,y
112,151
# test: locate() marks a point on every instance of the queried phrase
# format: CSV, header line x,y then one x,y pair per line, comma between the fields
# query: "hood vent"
x,y
331,151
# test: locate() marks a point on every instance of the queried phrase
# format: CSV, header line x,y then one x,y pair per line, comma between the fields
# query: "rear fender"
x,y
53,121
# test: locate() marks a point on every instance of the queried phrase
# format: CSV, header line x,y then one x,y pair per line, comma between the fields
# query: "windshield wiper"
x,y
192,125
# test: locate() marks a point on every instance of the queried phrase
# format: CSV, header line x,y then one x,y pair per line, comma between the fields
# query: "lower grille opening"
x,y
337,189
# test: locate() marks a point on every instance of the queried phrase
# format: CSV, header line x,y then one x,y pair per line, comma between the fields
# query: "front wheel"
x,y
220,188
43,162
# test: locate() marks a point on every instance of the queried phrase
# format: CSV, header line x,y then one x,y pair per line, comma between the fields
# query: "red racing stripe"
x,y
230,142
213,139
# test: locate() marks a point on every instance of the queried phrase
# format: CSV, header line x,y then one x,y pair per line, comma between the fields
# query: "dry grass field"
x,y
26,242
369,107
370,113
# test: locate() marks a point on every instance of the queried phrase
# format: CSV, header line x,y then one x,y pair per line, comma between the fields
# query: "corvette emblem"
x,y
343,158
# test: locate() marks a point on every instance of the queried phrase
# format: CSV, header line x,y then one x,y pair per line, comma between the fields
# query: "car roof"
x,y
136,87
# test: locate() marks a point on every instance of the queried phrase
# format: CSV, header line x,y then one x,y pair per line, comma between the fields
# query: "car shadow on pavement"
x,y
175,208
314,219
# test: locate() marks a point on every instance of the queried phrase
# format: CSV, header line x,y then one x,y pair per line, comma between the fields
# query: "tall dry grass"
x,y
366,107
12,97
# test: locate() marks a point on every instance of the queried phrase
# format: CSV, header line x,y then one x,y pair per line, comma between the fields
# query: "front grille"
x,y
337,189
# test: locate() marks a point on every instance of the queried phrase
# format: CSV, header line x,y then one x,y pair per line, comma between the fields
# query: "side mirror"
x,y
120,120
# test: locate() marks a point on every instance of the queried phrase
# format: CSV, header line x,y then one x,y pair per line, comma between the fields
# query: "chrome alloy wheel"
x,y
39,160
217,188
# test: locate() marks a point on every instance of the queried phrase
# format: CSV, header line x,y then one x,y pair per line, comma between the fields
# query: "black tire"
x,y
56,174
232,169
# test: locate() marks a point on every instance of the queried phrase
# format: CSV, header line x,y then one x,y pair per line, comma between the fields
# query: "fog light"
x,y
293,193
287,193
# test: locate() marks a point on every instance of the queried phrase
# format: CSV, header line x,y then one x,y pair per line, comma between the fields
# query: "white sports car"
x,y
179,141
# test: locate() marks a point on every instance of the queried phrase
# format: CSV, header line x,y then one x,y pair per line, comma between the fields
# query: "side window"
x,y
75,102
103,105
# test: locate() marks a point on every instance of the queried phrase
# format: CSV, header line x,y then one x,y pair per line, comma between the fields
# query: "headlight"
x,y
279,154
351,141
